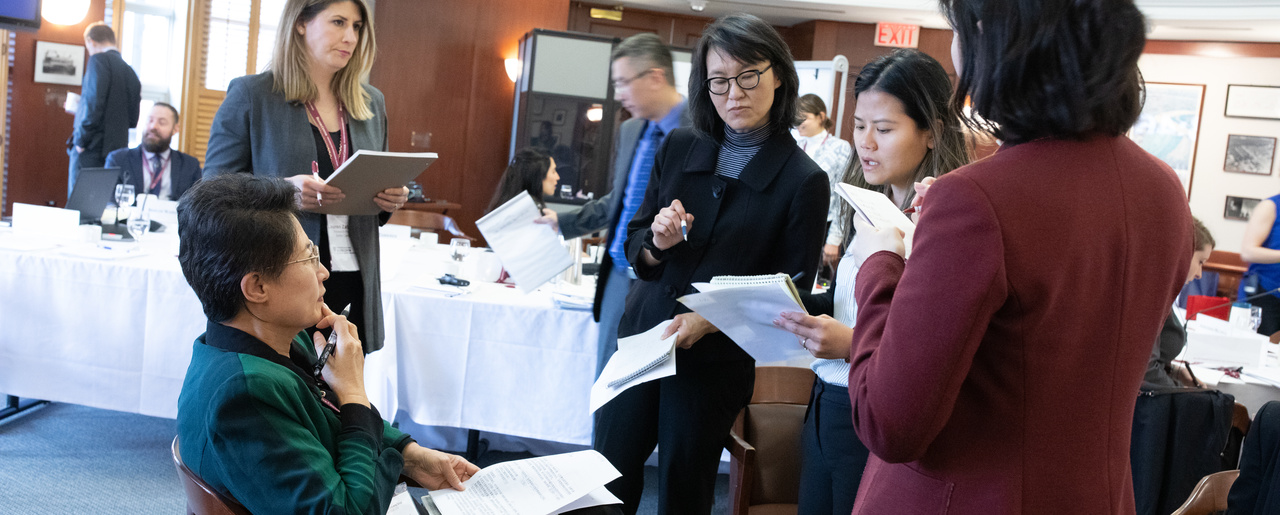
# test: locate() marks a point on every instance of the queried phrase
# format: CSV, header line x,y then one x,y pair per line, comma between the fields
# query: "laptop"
x,y
94,189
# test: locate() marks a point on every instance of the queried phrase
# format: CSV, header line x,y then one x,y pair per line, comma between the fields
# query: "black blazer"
x,y
184,170
110,98
770,220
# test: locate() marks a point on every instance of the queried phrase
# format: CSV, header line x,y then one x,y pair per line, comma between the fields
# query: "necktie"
x,y
158,172
636,184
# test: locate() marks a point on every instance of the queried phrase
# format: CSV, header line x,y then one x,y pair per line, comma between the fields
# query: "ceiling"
x,y
1197,20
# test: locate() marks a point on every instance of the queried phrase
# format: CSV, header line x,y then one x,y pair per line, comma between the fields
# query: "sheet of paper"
x,y
402,502
535,486
634,352
531,253
876,209
165,212
746,315
598,497
45,223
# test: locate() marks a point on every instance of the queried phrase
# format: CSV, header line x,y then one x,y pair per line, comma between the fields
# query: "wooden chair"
x,y
202,499
1210,495
764,444
426,221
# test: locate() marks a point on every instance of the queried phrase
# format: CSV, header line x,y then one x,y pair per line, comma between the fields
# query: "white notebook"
x,y
876,209
744,308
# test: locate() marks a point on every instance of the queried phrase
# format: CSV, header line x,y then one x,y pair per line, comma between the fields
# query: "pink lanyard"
x,y
806,142
338,155
156,175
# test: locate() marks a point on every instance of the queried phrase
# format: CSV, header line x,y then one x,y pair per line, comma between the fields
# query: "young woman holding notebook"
x,y
904,130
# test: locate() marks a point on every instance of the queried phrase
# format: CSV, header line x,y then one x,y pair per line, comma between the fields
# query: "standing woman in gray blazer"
x,y
310,111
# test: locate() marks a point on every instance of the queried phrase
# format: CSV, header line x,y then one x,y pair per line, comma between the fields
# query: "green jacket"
x,y
258,428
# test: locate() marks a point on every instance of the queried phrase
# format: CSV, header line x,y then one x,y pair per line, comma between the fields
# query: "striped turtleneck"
x,y
738,148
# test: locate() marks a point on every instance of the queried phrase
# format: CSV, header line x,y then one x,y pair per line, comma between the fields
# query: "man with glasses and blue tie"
x,y
152,167
644,84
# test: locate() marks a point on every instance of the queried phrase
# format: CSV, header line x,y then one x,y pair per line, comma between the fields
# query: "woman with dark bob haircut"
x,y
255,421
996,371
531,171
733,196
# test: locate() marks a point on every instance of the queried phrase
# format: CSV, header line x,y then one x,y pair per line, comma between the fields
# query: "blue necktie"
x,y
636,185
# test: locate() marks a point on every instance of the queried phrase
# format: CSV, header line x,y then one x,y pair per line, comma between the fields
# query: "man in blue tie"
x,y
152,167
644,84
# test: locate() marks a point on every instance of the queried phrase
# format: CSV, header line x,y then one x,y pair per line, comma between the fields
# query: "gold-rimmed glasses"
x,y
313,255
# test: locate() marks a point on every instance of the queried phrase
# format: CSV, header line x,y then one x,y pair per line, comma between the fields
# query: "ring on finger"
x,y
805,343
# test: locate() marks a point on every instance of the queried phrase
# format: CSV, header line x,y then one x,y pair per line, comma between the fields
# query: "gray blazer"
x,y
257,131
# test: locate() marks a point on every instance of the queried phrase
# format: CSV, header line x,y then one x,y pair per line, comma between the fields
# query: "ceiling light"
x,y
64,12
697,5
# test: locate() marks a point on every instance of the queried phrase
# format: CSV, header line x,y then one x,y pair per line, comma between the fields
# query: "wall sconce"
x,y
513,68
595,113
64,12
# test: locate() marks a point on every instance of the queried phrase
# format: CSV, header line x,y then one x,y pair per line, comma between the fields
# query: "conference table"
x,y
114,329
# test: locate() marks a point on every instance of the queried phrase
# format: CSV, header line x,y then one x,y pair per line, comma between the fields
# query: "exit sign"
x,y
898,35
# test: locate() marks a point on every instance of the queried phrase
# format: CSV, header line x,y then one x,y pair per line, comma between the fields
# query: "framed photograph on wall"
x,y
1250,154
1253,101
558,117
1239,208
1169,126
57,63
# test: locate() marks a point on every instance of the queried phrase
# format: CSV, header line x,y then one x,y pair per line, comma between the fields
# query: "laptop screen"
x,y
94,189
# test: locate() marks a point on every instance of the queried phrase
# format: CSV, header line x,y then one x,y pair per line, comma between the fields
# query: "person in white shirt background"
x,y
813,134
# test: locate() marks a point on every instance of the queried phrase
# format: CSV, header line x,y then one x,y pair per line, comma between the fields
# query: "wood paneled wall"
x,y
39,127
676,29
440,66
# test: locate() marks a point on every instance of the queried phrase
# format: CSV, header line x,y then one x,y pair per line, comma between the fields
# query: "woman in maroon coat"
x,y
997,370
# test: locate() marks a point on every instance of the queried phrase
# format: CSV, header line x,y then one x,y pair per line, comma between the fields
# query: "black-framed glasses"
x,y
622,83
746,80
313,255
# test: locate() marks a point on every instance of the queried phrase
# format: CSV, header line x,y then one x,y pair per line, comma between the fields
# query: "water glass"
x,y
139,222
458,248
124,195
1255,317
566,191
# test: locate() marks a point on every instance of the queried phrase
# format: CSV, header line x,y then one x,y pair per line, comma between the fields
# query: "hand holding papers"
x,y
744,307
876,209
640,358
536,486
531,253
367,173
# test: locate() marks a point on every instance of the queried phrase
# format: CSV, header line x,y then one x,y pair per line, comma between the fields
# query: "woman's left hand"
x,y
436,470
391,199
869,240
691,328
822,336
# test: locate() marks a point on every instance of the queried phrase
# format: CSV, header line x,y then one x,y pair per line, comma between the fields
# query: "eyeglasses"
x,y
313,255
622,83
746,80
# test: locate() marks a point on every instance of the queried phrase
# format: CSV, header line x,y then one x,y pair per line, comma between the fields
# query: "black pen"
x,y
328,348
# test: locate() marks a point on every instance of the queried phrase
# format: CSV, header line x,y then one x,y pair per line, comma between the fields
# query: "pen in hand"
x,y
684,229
328,348
315,174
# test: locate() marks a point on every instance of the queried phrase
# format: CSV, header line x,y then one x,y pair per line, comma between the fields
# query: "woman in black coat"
x,y
752,203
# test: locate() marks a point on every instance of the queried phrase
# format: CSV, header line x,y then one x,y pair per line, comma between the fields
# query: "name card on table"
x,y
164,212
45,223
1226,350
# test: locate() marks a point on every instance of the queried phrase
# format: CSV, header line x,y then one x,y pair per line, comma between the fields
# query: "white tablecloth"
x,y
118,335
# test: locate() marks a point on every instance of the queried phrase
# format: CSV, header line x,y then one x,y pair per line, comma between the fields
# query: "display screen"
x,y
20,14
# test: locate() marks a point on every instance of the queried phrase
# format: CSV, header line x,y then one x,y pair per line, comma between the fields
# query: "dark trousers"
x,y
342,288
88,159
1270,314
688,417
616,287
834,457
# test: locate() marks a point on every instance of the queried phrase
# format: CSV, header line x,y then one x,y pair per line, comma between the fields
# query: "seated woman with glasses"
x,y
734,195
258,419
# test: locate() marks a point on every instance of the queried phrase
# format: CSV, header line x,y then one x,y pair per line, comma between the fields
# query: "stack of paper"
x,y
531,253
568,296
876,209
536,486
744,308
640,358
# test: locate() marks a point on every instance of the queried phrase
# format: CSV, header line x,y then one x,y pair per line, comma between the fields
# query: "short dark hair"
x,y
747,39
1049,68
525,173
813,104
229,226
648,48
172,109
1200,236
100,33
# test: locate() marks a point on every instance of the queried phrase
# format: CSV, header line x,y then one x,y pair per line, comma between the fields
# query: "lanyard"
x,y
156,175
338,155
823,142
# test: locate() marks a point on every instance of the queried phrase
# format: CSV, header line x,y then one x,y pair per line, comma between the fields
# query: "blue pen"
x,y
684,229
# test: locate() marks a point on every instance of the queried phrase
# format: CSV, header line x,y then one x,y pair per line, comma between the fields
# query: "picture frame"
x,y
58,63
1239,208
1246,101
1169,126
1249,154
558,117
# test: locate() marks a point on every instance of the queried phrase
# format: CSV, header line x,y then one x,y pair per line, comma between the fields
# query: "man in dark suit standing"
x,y
110,98
152,167
645,85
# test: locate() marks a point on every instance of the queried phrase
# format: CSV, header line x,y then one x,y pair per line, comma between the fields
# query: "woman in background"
x,y
300,120
1161,371
905,126
997,370
1261,249
531,171
813,134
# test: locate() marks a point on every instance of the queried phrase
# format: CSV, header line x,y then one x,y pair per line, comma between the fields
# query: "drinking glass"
x,y
458,248
1255,317
566,191
139,222
124,197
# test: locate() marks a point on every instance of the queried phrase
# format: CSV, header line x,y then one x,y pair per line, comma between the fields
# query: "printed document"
x,y
531,253
744,308
639,359
876,209
535,486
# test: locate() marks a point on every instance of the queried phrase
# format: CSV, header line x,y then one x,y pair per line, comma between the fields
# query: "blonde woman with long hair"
x,y
300,120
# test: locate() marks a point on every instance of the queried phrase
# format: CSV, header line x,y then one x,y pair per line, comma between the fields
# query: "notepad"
x,y
744,308
640,358
876,209
369,172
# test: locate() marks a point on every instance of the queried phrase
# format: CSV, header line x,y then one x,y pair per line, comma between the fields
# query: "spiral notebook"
x,y
640,358
744,308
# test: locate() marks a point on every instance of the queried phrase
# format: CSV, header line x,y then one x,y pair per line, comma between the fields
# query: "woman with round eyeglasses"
x,y
733,195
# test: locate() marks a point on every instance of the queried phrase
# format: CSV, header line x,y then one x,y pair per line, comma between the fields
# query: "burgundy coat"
x,y
997,371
